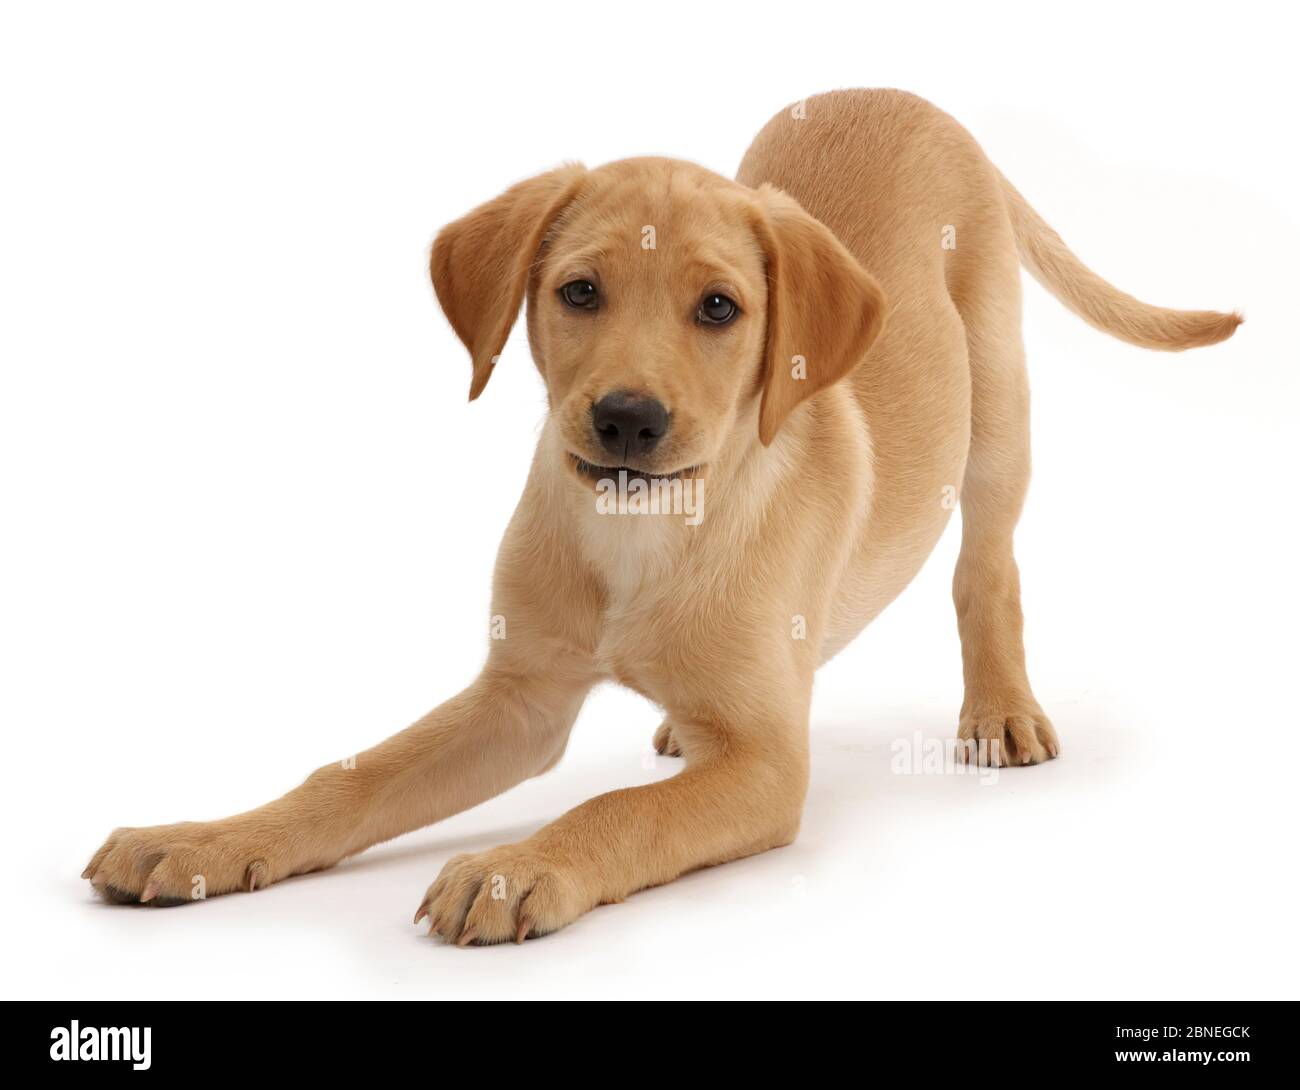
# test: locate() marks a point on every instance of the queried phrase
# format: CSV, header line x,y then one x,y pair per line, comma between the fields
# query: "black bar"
x,y
336,1039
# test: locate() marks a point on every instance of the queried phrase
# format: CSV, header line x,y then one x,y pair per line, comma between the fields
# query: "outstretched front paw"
x,y
168,865
508,894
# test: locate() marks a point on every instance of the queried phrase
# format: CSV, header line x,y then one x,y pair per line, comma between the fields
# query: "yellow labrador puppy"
x,y
765,395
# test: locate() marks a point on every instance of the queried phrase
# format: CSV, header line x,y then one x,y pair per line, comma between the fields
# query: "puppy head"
x,y
663,300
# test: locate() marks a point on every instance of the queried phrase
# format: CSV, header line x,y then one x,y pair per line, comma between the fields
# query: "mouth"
x,y
589,471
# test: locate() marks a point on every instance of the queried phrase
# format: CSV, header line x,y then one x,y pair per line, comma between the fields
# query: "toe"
x,y
1024,747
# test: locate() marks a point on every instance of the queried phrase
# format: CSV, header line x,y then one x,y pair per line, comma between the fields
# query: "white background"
x,y
249,519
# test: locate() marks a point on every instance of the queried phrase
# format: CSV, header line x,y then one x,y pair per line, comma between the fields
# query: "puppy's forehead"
x,y
676,208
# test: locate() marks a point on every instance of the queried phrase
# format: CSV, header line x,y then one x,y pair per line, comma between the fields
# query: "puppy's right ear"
x,y
480,263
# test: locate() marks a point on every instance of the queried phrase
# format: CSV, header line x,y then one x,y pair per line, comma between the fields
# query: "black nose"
x,y
627,424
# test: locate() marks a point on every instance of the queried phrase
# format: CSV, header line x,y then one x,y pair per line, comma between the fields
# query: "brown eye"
x,y
717,310
579,294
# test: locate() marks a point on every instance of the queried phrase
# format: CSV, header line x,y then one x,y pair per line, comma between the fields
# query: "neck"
x,y
631,531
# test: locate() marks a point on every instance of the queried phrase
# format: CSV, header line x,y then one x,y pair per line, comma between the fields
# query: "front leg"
x,y
501,730
510,724
743,795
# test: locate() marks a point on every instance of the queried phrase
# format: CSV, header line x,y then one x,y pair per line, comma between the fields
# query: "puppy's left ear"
x,y
480,263
824,310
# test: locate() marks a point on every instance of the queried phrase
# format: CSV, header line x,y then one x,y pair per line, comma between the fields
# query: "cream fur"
x,y
826,486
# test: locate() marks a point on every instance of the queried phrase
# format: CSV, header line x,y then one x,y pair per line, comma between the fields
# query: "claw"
x,y
522,933
423,911
150,892
466,937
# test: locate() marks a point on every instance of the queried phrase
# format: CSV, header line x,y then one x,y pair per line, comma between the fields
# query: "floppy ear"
x,y
823,309
480,263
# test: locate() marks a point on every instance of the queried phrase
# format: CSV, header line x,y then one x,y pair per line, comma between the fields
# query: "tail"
x,y
1103,305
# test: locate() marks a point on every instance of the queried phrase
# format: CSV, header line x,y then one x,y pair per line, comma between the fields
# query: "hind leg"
x,y
999,712
666,741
